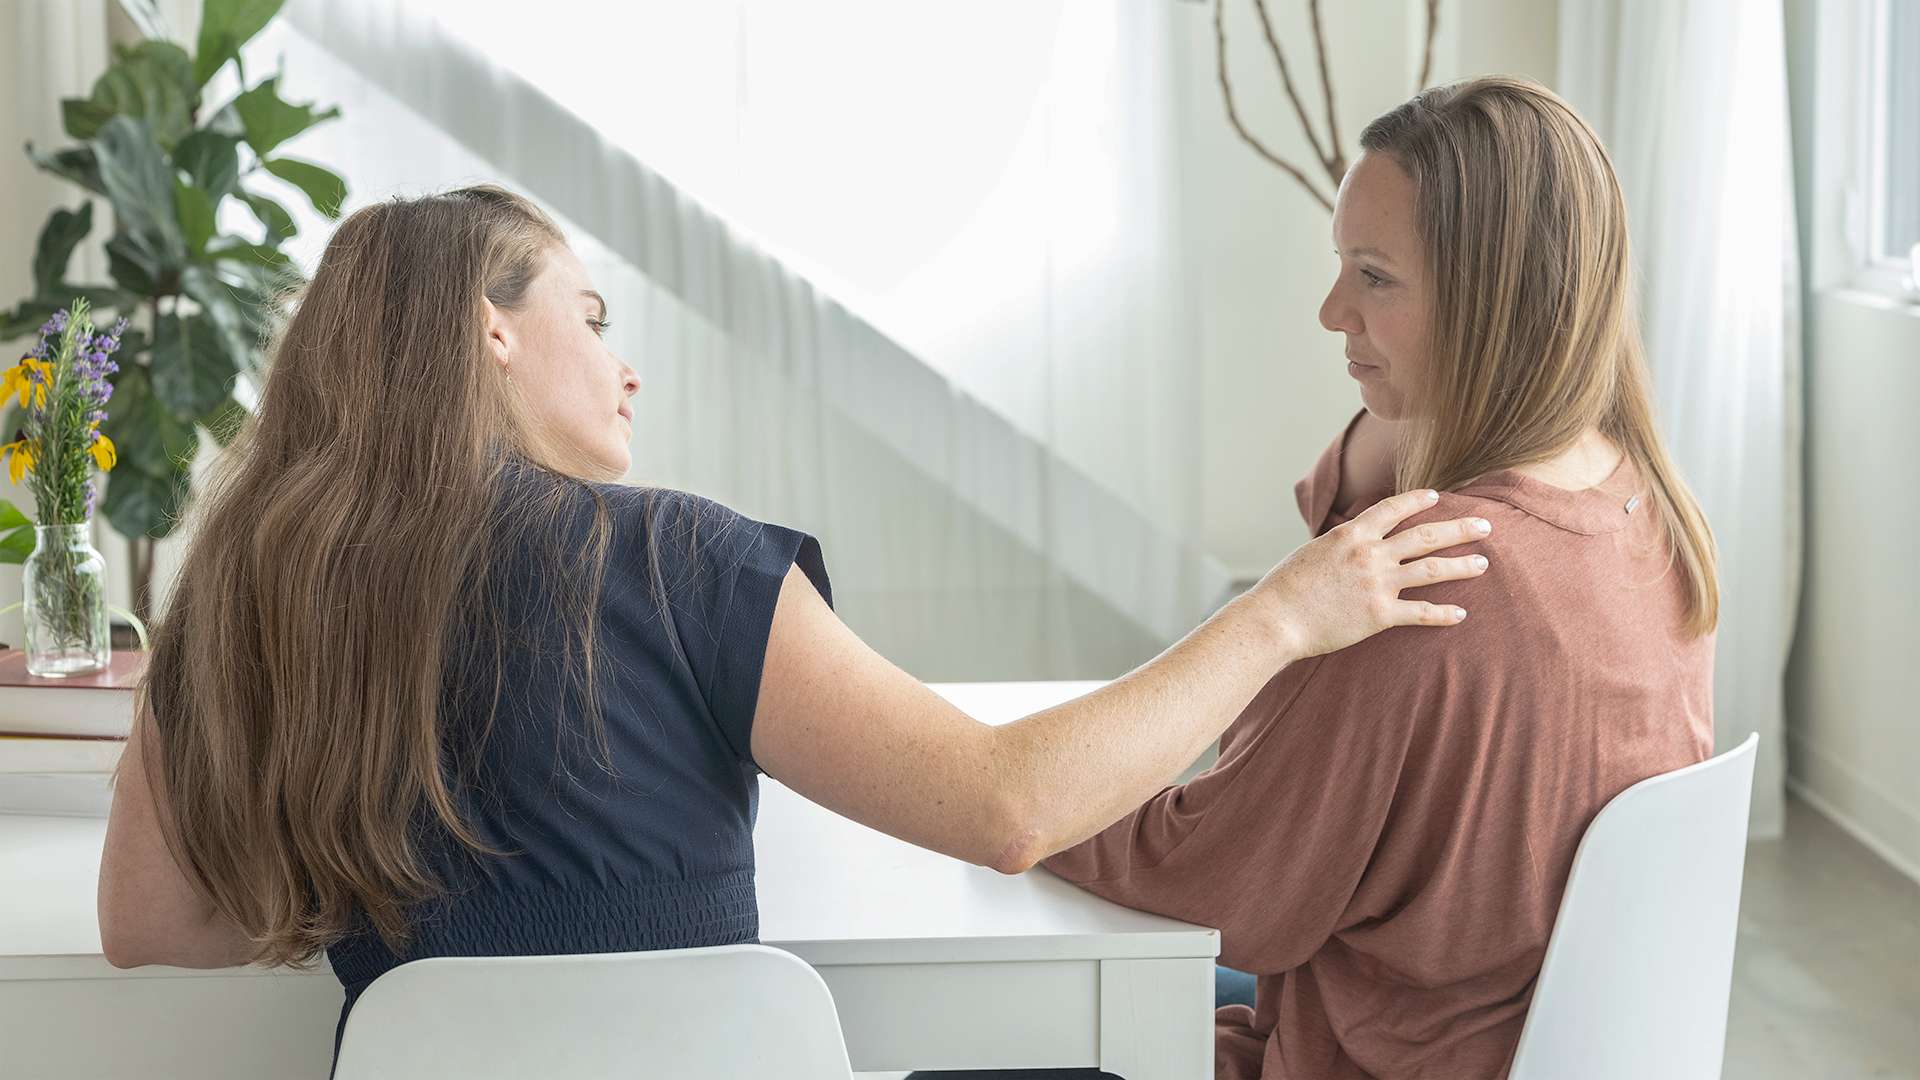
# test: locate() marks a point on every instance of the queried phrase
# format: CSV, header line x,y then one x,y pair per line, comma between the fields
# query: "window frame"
x,y
1887,273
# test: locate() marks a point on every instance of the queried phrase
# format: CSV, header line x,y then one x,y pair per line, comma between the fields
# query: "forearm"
x,y
1073,769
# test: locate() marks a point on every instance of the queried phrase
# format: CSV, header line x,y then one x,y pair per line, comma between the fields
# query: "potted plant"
x,y
200,299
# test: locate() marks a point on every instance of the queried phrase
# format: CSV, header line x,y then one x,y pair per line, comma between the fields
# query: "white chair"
x,y
735,1011
1638,969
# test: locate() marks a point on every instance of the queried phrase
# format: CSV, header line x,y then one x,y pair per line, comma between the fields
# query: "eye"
x,y
1374,280
599,326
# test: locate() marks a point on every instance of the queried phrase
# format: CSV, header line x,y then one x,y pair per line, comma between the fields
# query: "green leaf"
x,y
62,233
192,371
151,81
278,221
148,18
270,121
212,160
147,436
225,25
196,215
127,265
25,320
141,184
243,314
16,545
143,504
100,298
83,117
75,163
324,189
12,517
264,264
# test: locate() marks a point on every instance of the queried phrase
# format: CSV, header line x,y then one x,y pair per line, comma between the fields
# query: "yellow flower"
x,y
102,451
18,380
19,457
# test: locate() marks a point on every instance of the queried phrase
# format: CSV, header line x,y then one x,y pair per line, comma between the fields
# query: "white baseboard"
x,y
1828,806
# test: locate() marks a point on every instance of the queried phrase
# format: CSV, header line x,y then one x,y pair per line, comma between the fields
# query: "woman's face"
x,y
1380,299
551,348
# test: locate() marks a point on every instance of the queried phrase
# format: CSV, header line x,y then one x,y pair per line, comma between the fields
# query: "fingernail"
x,y
1480,561
1459,614
1430,495
1482,526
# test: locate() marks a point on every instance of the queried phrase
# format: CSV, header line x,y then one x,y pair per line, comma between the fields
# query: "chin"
x,y
1382,401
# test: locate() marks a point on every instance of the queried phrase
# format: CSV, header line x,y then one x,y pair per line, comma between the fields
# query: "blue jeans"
x,y
1230,987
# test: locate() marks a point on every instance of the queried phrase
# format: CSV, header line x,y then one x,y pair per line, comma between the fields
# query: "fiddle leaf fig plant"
x,y
200,298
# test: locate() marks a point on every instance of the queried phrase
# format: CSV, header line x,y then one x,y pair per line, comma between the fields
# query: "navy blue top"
x,y
646,843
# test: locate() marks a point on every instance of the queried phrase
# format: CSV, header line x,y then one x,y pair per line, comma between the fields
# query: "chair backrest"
x,y
735,1011
1640,964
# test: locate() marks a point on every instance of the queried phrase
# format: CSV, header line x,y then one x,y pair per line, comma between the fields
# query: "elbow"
x,y
122,950
1019,856
1018,839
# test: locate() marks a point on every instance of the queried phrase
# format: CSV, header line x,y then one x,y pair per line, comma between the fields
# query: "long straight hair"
x,y
356,522
1534,336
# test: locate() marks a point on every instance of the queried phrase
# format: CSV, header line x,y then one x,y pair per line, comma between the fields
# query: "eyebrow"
x,y
596,297
1368,253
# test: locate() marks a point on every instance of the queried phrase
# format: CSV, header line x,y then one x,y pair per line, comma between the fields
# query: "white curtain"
x,y
1691,99
49,49
1011,496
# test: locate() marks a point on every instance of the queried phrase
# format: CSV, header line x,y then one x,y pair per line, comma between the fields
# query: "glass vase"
x,y
66,603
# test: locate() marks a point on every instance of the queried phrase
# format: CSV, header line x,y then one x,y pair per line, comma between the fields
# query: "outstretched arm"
x,y
844,727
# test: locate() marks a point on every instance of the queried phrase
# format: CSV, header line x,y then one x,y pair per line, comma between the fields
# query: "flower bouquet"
x,y
62,384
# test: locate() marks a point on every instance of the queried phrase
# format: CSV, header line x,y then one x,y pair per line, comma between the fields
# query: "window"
x,y
1887,233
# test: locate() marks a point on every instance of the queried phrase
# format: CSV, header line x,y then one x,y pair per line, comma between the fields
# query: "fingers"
x,y
1379,519
1434,535
1433,571
1421,613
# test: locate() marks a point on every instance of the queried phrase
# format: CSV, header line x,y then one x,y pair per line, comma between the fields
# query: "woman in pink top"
x,y
1386,836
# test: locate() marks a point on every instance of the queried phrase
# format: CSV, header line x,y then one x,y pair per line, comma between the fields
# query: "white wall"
x,y
1853,685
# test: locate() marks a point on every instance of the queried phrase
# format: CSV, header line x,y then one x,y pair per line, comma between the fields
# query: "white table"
x,y
933,963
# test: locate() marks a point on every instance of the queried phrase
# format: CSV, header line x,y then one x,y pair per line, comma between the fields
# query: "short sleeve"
x,y
722,572
1317,491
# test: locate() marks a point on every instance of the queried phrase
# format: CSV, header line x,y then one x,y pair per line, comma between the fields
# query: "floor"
x,y
1826,982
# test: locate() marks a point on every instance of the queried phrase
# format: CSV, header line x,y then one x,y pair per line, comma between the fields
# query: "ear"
x,y
499,337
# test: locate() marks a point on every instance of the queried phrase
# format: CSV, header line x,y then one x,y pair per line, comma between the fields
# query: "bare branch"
x,y
1337,165
1286,80
1426,61
1233,114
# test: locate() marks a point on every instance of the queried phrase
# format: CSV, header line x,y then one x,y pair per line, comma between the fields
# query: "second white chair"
x,y
734,1012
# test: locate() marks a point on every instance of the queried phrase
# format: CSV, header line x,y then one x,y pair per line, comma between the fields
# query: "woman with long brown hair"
x,y
431,683
1388,831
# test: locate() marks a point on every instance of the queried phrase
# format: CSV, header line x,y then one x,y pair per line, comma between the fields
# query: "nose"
x,y
629,381
1336,314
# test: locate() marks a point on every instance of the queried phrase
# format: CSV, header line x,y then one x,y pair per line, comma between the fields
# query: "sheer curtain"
x,y
1691,100
1011,496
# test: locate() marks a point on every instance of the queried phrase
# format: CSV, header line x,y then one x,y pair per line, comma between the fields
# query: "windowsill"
x,y
1876,299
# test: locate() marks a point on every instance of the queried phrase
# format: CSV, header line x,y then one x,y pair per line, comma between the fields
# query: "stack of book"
x,y
61,738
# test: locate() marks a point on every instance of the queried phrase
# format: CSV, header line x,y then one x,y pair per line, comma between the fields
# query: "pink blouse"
x,y
1387,833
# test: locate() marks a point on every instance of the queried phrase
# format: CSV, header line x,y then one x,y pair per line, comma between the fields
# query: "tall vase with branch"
x,y
1329,156
202,298
62,383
